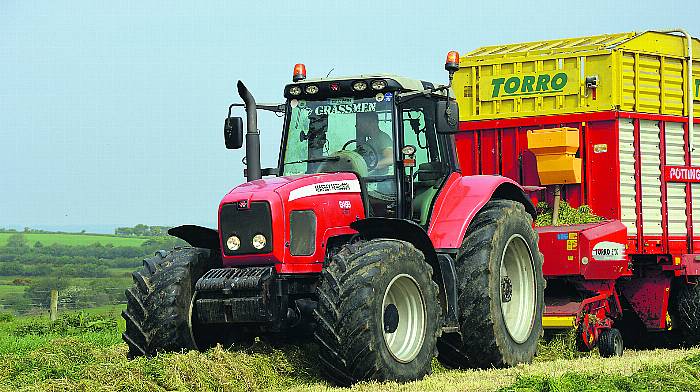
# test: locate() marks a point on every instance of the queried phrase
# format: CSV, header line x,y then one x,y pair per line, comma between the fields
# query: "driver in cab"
x,y
367,127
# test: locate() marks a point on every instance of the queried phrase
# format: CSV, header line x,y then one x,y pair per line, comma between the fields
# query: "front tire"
x,y
501,291
158,305
378,315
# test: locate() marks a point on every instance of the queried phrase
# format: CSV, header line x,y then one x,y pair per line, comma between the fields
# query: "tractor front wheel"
x,y
158,305
378,314
501,291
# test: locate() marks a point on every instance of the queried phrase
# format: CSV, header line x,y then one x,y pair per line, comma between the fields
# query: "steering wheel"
x,y
366,150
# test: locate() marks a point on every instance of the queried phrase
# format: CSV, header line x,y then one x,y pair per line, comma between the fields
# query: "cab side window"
x,y
418,121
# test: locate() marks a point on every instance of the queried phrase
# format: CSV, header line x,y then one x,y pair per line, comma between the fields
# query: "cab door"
x,y
422,182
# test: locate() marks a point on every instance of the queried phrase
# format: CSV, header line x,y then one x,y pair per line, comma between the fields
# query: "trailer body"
x,y
626,95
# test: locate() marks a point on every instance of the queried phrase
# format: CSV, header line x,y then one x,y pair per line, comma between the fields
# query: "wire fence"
x,y
69,299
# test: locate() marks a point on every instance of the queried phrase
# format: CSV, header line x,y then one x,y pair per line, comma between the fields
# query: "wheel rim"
x,y
617,342
517,288
403,318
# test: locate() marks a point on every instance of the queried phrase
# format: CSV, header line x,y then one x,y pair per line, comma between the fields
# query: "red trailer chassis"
x,y
640,175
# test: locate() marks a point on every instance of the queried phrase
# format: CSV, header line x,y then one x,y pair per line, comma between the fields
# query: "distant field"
x,y
75,239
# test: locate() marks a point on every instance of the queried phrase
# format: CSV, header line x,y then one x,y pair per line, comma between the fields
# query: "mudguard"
x,y
398,229
462,198
197,236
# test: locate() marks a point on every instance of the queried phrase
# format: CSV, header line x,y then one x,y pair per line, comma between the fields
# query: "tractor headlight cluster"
x,y
359,86
378,84
233,243
259,241
295,90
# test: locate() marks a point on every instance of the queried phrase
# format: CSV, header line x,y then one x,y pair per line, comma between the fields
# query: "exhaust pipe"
x,y
252,136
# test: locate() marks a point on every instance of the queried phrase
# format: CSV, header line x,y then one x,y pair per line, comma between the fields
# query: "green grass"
x,y
77,359
6,289
74,239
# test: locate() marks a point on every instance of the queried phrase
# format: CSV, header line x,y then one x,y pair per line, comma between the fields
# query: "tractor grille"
x,y
236,279
234,295
246,223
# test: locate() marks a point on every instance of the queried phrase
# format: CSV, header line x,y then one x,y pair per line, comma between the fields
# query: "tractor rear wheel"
x,y
685,313
501,291
378,315
158,305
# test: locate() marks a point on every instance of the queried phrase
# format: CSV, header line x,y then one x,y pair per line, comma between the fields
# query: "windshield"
x,y
340,134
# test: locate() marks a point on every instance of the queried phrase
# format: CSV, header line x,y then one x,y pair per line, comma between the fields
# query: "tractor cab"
x,y
377,127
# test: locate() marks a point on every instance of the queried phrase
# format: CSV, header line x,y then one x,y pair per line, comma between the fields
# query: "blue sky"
x,y
112,113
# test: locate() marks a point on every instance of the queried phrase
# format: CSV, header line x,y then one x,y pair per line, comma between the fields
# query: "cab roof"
x,y
405,83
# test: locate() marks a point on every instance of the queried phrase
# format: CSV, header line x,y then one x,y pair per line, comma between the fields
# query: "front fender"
x,y
197,236
462,198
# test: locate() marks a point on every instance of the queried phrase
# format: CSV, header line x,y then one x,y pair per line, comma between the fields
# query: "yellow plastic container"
x,y
637,72
555,151
553,141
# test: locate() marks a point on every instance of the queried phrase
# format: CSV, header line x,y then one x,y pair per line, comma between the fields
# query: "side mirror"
x,y
447,117
233,133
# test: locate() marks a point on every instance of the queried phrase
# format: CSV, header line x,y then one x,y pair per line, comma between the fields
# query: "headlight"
x,y
359,86
295,90
311,89
233,243
378,84
259,241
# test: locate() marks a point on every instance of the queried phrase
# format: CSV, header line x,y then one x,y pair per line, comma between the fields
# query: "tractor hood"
x,y
289,188
292,218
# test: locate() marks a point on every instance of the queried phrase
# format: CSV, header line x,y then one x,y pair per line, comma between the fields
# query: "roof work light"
x,y
452,61
299,72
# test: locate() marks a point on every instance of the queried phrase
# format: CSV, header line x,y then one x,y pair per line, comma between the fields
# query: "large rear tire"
x,y
501,291
685,313
378,315
158,305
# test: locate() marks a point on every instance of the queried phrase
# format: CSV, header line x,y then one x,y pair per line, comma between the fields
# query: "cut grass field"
x,y
75,239
86,360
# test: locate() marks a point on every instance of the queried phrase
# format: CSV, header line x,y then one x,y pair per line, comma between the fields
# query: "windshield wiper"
x,y
312,160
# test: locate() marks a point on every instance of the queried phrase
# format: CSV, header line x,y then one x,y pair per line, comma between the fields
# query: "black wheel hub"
x,y
391,318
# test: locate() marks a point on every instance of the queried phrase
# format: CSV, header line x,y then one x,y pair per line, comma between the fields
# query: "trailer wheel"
x,y
501,291
378,315
610,343
685,313
158,305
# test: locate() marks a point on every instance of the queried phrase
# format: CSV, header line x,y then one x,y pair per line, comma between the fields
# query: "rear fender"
x,y
197,236
462,198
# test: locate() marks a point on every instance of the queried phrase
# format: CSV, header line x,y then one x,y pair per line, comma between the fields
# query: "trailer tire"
x,y
158,305
378,314
610,343
685,313
486,340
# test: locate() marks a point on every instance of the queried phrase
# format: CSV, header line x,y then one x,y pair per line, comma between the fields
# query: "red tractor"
x,y
366,239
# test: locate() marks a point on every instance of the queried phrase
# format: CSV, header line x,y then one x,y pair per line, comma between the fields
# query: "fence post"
x,y
54,304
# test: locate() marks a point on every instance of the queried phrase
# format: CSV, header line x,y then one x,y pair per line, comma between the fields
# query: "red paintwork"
x,y
457,204
500,147
332,220
563,258
648,296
